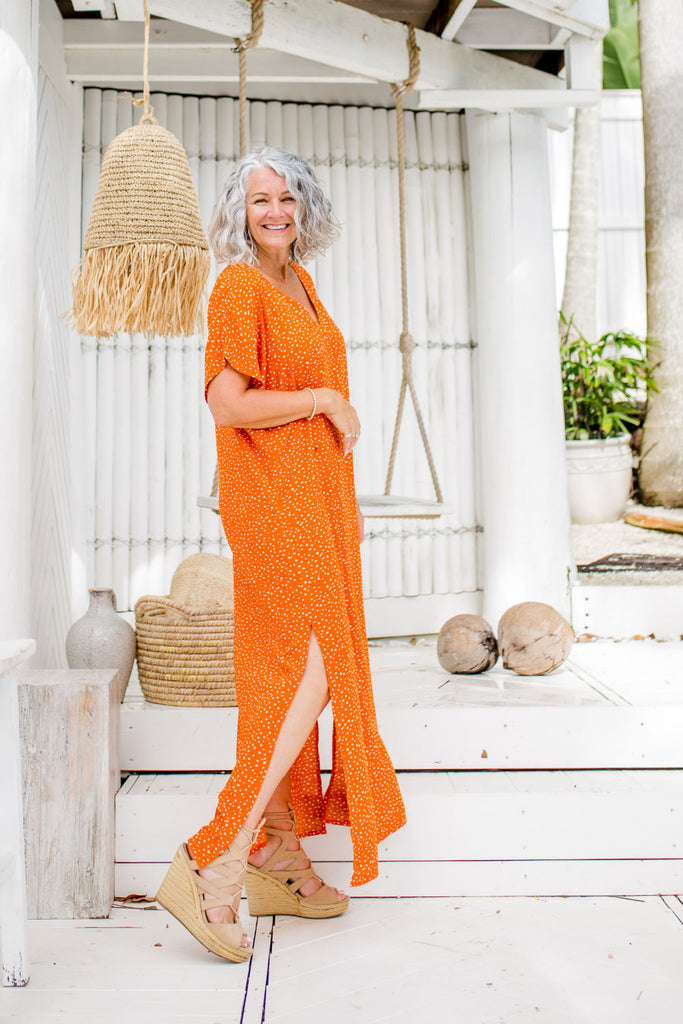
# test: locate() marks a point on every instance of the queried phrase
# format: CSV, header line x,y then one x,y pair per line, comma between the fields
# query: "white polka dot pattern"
x,y
288,508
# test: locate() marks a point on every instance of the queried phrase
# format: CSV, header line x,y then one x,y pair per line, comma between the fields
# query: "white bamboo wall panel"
x,y
153,449
621,269
51,509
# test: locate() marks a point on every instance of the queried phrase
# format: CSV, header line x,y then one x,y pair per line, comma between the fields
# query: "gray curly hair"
x,y
316,225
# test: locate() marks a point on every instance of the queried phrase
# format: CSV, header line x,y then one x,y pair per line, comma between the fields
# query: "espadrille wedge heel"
x,y
186,895
276,891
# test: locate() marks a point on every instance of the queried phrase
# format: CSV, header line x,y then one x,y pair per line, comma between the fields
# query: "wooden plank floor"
x,y
404,961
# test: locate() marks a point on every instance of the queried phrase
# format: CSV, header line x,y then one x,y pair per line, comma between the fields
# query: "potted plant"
x,y
604,386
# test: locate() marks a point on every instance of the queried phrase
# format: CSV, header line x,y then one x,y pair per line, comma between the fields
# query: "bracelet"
x,y
315,403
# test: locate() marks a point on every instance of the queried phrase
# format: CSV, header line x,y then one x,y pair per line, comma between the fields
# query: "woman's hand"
x,y
341,415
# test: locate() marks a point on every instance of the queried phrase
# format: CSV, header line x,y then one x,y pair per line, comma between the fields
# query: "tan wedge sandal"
x,y
186,895
276,891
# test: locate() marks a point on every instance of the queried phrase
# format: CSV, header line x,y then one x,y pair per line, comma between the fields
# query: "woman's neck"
x,y
273,264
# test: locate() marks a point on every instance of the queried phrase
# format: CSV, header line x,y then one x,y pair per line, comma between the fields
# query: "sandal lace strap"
x,y
294,874
226,890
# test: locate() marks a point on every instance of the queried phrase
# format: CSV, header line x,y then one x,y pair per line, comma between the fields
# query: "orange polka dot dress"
x,y
288,507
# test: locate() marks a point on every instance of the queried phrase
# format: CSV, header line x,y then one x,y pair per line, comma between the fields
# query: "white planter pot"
x,y
599,476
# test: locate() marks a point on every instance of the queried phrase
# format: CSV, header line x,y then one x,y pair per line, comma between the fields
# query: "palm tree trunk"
x,y
579,299
661,55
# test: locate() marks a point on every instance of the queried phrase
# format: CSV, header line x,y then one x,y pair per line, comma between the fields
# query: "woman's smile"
x,y
270,210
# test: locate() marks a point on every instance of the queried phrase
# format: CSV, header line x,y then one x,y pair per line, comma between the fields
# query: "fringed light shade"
x,y
146,257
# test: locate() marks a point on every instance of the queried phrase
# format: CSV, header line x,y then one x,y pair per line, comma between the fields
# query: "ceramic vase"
x,y
102,639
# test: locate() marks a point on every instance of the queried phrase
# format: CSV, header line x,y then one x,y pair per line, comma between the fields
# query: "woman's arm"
x,y
234,404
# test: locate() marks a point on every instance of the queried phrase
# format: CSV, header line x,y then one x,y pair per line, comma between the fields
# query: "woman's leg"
x,y
312,695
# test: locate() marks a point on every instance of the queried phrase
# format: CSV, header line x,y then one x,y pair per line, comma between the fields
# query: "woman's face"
x,y
270,211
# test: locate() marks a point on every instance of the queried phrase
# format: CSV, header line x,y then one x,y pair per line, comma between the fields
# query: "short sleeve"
x,y
233,327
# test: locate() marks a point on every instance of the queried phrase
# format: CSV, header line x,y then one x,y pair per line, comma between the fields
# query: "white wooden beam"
x,y
499,29
333,33
584,63
585,17
105,7
560,36
498,100
130,10
457,19
88,32
109,65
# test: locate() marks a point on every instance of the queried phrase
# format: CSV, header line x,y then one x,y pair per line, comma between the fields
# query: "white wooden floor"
x,y
413,961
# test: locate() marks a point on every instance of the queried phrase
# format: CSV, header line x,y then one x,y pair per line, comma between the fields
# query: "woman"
x,y
276,385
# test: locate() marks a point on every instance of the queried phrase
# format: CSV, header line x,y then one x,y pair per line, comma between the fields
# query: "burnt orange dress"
x,y
287,502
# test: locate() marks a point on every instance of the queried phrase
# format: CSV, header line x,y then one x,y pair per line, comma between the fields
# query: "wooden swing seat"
x,y
375,506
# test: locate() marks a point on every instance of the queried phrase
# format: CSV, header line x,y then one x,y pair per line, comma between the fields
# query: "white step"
x,y
620,610
611,706
468,833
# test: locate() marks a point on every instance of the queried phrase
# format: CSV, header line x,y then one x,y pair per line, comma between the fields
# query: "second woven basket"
x,y
185,639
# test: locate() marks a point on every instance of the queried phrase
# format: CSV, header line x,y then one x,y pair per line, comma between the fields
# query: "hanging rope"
x,y
148,112
406,342
242,46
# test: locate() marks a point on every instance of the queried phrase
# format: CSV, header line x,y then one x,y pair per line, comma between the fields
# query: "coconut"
x,y
466,644
534,638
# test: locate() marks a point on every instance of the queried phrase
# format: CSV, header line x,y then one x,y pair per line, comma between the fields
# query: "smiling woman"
x,y
276,384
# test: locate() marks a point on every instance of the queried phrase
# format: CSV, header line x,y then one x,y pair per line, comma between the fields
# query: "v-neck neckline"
x,y
314,321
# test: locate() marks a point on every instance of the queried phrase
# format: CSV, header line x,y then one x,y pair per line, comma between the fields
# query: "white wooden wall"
x,y
150,438
58,579
621,285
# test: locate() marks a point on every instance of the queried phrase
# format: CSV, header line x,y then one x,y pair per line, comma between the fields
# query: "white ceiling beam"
x,y
560,37
86,33
504,100
112,53
105,7
457,19
499,29
553,105
346,37
585,17
130,10
112,66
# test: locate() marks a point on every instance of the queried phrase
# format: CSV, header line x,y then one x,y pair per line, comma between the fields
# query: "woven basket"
x,y
184,650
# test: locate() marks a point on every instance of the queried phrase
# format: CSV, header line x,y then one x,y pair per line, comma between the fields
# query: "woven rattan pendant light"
x,y
146,258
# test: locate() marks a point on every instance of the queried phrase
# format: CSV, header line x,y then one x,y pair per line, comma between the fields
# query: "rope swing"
x,y
146,257
406,341
242,45
386,505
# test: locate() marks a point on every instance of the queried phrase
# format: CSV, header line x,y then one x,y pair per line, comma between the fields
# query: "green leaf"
x,y
621,49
